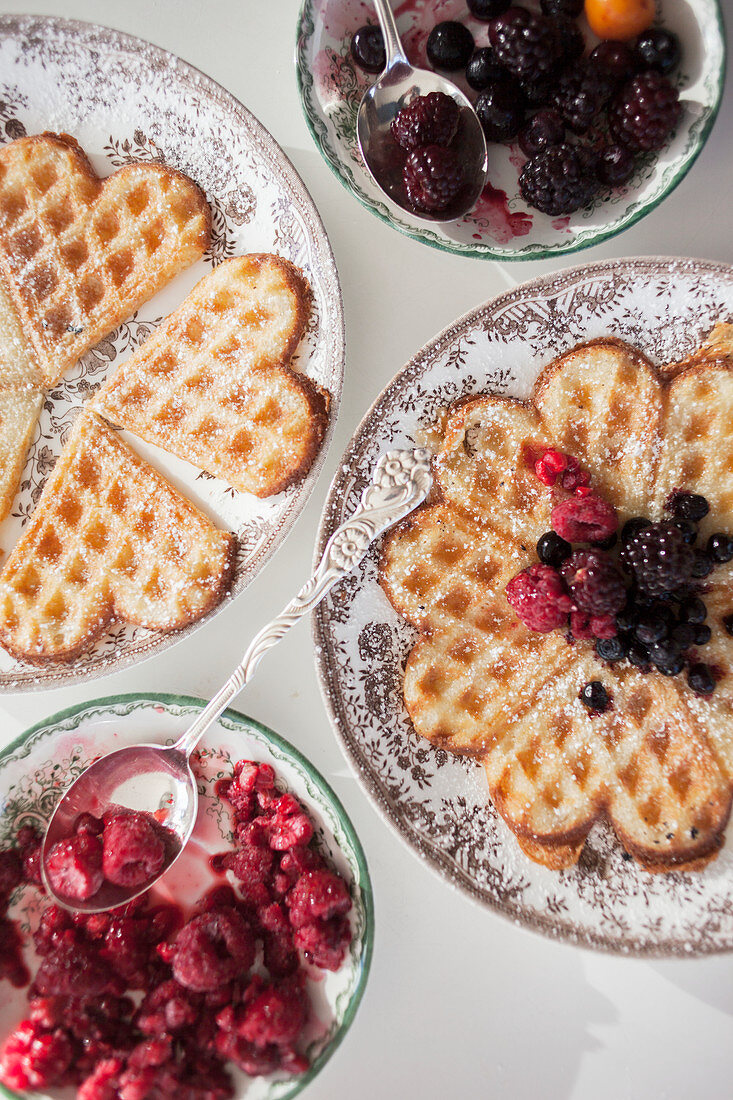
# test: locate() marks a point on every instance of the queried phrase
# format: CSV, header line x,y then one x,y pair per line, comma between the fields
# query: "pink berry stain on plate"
x,y
492,213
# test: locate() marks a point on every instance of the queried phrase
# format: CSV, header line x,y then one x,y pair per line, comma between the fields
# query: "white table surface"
x,y
460,1003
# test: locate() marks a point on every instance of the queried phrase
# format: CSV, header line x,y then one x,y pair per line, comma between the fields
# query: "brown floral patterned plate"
x,y
126,101
438,804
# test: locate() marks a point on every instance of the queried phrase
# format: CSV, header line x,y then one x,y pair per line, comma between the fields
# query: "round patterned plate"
x,y
438,803
47,757
501,226
125,101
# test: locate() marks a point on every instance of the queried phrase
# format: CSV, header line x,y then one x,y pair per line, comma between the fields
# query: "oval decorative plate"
x,y
437,803
502,226
126,101
47,757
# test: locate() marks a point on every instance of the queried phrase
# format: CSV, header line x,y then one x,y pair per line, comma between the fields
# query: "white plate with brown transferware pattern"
x,y
127,101
436,802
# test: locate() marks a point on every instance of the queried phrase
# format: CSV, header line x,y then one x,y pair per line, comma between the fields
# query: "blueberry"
x,y
614,59
500,110
702,565
688,530
594,696
720,547
684,634
553,550
486,10
700,679
659,49
367,49
627,619
571,8
483,69
615,165
650,629
728,624
702,634
633,526
612,649
684,505
693,610
639,656
667,659
546,127
450,46
609,543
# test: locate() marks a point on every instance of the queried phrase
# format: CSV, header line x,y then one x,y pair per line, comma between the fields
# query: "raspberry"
x,y
12,966
33,1059
324,943
539,598
75,969
432,176
277,1015
103,1082
317,894
559,179
582,92
588,519
554,466
74,867
587,627
594,582
428,120
213,949
645,112
133,851
659,558
525,43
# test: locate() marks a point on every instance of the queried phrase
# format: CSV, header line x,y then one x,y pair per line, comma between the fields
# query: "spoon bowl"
x,y
397,87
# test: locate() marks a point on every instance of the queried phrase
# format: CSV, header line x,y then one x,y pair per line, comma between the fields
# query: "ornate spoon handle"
x,y
401,481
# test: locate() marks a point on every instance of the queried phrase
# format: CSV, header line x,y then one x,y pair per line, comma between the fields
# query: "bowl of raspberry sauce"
x,y
581,143
236,976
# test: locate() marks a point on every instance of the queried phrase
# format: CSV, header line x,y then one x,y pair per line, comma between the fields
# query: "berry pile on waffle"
x,y
572,592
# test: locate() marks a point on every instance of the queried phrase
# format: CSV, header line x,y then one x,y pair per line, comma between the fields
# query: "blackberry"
x,y
639,656
543,129
693,610
559,180
650,629
684,505
450,46
633,526
569,8
483,69
703,634
728,624
645,112
720,547
552,550
615,165
428,120
500,110
525,43
570,41
702,564
433,176
689,530
612,649
538,91
594,582
615,59
658,49
486,10
659,559
367,49
701,679
594,696
581,94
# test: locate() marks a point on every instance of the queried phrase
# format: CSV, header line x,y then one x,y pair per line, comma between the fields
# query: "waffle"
x,y
79,254
658,763
19,411
213,385
109,539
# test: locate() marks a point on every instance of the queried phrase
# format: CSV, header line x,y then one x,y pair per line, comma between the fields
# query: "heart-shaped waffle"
x,y
213,384
109,539
79,254
658,763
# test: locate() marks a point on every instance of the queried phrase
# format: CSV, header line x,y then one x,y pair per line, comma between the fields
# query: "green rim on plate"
x,y
338,820
341,155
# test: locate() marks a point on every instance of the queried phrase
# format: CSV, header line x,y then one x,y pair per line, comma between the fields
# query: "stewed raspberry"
x,y
317,895
11,873
428,120
559,179
133,849
594,583
276,1015
213,949
587,519
450,45
546,127
74,867
539,598
32,1058
500,110
484,69
587,627
367,49
525,43
658,49
433,177
645,112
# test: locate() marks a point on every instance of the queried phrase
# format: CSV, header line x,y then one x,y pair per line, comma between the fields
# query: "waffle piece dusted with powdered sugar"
x,y
656,759
109,539
21,400
79,254
213,385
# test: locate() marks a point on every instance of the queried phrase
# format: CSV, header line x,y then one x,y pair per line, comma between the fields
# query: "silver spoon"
x,y
398,85
159,778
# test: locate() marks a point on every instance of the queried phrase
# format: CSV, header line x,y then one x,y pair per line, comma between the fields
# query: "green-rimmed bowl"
x,y
41,763
501,226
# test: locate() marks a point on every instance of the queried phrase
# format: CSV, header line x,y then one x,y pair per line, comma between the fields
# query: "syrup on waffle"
x,y
109,539
658,763
213,385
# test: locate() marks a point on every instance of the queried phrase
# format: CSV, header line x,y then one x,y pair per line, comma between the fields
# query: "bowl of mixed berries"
x,y
593,111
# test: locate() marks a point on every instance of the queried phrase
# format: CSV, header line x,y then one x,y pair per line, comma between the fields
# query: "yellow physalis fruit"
x,y
619,19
